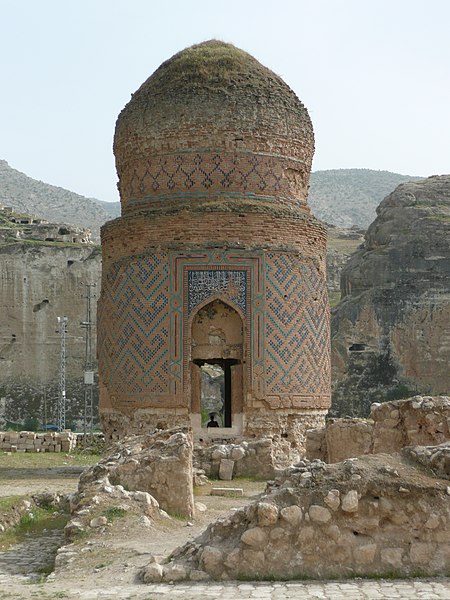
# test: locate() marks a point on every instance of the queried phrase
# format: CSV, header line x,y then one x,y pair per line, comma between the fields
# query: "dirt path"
x,y
114,555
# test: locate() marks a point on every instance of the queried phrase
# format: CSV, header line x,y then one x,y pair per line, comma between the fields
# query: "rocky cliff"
x,y
39,281
341,244
391,331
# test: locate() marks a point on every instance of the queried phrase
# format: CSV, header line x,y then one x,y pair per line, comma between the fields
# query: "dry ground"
x,y
116,553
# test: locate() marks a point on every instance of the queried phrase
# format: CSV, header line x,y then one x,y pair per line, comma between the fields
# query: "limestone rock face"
x,y
365,516
40,281
391,331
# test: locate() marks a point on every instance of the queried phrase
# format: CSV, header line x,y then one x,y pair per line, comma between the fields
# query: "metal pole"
x,y
44,391
88,372
61,417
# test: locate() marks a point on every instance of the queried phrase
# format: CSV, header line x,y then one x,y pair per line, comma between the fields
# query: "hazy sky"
x,y
374,75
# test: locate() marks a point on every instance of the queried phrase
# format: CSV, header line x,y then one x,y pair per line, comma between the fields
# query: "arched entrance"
x,y
217,355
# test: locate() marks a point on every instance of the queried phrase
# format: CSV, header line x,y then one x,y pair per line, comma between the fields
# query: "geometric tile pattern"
x,y
201,173
297,320
148,303
133,340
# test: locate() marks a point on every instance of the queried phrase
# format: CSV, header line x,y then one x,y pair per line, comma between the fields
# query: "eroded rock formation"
x,y
39,281
391,331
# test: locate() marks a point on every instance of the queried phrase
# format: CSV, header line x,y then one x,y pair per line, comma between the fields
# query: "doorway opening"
x,y
216,390
216,371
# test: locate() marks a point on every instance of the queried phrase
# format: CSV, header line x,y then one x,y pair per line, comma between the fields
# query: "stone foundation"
x,y
117,425
244,459
287,429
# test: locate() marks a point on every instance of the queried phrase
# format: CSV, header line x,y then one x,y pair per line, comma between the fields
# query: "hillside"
x,y
55,204
342,197
346,197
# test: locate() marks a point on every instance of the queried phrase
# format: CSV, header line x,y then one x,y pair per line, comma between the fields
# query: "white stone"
x,y
211,559
432,522
152,573
392,556
267,514
226,469
174,572
200,507
219,453
350,502
292,515
196,575
237,453
98,522
144,521
333,499
255,537
319,514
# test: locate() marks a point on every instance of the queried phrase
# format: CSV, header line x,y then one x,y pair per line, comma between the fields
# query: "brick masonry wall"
x,y
137,234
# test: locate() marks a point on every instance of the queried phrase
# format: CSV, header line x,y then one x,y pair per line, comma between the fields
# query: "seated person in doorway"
x,y
212,421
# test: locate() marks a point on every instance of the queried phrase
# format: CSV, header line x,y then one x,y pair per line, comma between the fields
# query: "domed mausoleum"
x,y
213,292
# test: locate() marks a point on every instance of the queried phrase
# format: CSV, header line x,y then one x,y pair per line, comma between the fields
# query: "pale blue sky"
x,y
374,75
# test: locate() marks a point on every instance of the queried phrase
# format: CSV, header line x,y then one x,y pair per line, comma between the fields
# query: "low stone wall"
x,y
421,420
244,459
377,515
28,441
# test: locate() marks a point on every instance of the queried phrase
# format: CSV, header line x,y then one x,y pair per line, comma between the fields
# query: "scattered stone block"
x,y
226,469
225,491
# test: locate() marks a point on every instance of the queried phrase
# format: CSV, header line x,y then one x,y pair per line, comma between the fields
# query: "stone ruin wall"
x,y
374,516
417,421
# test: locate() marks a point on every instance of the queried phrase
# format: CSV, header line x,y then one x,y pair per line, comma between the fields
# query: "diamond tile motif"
x,y
297,319
134,340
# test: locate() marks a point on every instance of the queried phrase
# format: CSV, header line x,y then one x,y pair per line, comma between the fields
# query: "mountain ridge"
x,y
341,197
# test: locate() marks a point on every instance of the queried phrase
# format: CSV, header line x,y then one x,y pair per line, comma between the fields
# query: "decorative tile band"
x,y
208,173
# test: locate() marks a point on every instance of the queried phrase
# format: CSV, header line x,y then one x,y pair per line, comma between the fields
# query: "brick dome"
x,y
216,260
213,122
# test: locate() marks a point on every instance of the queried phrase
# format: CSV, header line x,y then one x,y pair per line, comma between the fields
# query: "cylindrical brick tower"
x,y
214,275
